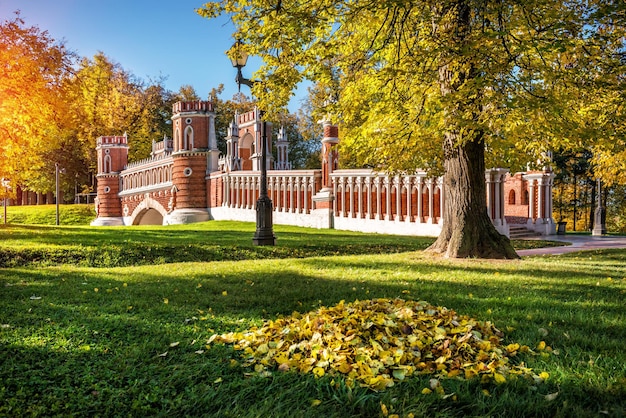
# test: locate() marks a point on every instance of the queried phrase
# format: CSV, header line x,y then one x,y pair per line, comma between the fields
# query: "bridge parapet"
x,y
153,173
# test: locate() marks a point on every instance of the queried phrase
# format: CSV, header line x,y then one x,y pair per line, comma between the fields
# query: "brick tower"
x,y
195,155
112,155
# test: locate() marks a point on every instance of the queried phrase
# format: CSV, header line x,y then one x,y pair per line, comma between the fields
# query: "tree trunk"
x,y
467,229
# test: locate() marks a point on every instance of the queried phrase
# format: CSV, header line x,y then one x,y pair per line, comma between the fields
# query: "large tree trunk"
x,y
467,229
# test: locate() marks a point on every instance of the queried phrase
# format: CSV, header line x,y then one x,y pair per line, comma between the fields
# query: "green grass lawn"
x,y
46,214
131,340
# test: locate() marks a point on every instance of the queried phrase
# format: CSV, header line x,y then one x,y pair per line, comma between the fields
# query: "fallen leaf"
x,y
499,378
552,396
318,371
379,342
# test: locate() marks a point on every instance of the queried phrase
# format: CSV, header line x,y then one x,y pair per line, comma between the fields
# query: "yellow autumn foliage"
x,y
378,343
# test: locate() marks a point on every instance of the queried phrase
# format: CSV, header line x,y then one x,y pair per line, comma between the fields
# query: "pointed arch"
x,y
188,138
177,144
512,197
106,164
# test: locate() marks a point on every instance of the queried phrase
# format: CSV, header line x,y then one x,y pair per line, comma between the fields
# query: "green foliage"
x,y
574,191
132,341
528,76
55,106
435,85
109,100
33,117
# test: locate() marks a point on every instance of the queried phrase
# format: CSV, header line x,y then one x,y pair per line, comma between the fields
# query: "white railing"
x,y
291,192
373,202
365,194
154,173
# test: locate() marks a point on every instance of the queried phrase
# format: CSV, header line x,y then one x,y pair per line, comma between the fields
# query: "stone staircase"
x,y
521,232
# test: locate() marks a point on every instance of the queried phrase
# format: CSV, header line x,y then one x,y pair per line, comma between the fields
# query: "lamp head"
x,y
238,55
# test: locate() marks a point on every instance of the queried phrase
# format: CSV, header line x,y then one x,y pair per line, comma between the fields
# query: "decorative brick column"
x,y
330,155
323,200
540,202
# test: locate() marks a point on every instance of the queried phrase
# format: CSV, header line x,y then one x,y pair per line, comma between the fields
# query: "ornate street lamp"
x,y
264,234
239,58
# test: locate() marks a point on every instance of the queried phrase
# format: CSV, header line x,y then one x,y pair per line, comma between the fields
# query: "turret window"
x,y
188,143
107,164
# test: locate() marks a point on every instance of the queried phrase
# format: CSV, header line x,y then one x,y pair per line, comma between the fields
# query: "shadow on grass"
x,y
104,351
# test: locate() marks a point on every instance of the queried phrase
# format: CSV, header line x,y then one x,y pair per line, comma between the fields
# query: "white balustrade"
x,y
291,192
147,175
375,202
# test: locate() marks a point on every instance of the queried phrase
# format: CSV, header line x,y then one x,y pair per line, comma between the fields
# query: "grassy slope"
x,y
37,242
46,214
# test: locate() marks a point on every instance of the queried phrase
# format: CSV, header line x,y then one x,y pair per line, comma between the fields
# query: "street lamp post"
x,y
264,234
5,184
56,177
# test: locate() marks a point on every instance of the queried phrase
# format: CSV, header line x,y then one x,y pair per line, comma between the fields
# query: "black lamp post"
x,y
5,184
56,178
264,234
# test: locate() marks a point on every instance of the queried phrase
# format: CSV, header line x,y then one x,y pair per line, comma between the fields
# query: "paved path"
x,y
579,243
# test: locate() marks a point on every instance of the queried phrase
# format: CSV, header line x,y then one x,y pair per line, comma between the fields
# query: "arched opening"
x,y
246,145
177,144
437,204
149,217
525,197
188,145
107,164
512,197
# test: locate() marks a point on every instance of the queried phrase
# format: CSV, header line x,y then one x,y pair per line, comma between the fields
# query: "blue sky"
x,y
149,38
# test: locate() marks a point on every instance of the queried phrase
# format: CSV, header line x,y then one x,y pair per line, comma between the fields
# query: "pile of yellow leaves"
x,y
377,343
